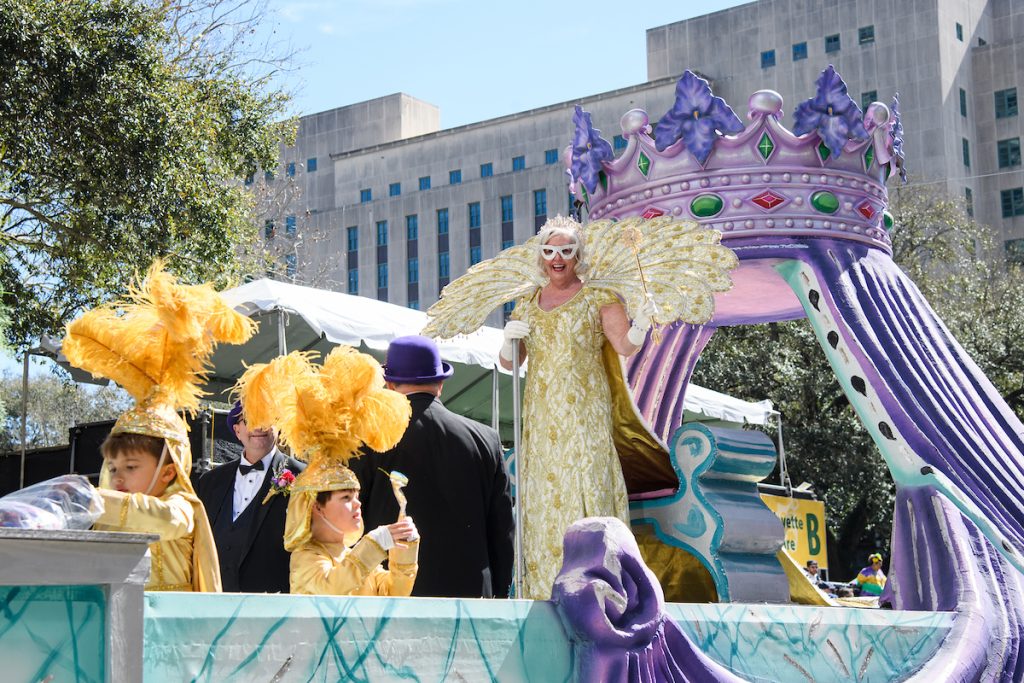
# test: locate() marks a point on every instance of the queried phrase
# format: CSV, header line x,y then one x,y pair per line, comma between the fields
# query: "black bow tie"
x,y
246,469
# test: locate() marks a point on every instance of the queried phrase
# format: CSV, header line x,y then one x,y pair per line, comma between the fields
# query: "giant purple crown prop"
x,y
824,178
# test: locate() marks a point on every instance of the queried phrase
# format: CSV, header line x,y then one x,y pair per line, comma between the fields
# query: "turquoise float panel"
x,y
53,633
256,637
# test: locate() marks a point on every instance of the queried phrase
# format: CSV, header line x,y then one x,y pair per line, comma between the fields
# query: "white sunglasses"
x,y
566,251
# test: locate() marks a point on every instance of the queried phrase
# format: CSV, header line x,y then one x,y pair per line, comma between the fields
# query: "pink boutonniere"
x,y
281,482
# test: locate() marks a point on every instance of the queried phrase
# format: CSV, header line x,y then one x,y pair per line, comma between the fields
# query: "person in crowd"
x,y
570,467
337,559
247,527
156,346
871,579
325,414
459,488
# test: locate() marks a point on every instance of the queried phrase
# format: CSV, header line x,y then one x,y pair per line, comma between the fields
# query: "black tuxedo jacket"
x,y
458,495
263,563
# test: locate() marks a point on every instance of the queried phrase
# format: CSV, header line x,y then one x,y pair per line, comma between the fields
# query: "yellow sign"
x,y
804,522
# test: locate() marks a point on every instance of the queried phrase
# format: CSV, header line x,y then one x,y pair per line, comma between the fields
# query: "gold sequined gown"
x,y
570,468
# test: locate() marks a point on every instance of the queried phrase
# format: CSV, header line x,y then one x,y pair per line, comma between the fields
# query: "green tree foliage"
x,y
125,128
952,261
55,404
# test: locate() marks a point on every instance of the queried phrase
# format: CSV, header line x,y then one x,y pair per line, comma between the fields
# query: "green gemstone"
x,y
586,197
887,220
869,157
644,164
706,205
826,202
765,146
823,151
888,170
602,178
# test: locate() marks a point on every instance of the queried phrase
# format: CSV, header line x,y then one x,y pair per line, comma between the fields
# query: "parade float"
x,y
805,211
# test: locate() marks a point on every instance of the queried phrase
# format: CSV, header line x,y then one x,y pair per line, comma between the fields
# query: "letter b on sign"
x,y
813,542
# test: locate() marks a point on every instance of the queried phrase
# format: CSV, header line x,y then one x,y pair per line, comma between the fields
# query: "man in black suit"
x,y
458,489
248,532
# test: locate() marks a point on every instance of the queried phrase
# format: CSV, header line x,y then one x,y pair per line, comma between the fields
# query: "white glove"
x,y
642,322
383,537
514,331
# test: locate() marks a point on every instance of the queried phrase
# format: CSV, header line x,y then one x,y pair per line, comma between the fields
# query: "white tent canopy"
x,y
294,317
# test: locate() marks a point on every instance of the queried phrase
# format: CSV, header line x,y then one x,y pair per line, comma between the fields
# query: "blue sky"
x,y
474,59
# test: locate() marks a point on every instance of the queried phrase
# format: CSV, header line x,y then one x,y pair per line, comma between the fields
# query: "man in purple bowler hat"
x,y
249,532
458,489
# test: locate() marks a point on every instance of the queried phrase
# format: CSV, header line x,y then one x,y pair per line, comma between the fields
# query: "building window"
x,y
550,156
866,35
382,233
365,196
966,146
268,176
442,264
248,179
290,267
1006,103
486,170
353,238
414,304
506,209
311,165
767,59
425,182
442,221
474,215
353,281
1012,202
959,32
968,201
382,275
474,255
799,51
412,227
1009,152
394,189
290,169
963,102
289,221
507,308
867,98
832,43
506,244
268,229
414,270
540,202
619,143
455,177
518,163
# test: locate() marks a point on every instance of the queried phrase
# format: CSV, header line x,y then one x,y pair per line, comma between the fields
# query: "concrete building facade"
x,y
401,207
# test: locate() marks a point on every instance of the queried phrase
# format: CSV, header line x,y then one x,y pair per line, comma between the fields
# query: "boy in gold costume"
x,y
325,414
156,346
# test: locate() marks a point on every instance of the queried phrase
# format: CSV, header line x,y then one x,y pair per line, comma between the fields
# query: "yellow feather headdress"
x,y
324,414
156,345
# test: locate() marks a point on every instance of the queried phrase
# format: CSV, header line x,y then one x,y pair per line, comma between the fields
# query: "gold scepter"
x,y
633,237
398,480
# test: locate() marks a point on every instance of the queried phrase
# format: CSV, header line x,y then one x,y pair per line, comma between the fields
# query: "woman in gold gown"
x,y
569,465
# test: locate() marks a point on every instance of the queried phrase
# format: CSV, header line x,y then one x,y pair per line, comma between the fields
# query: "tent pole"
x,y
495,402
282,344
24,416
516,443
783,471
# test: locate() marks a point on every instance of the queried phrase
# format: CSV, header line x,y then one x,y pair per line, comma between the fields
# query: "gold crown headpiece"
x,y
324,414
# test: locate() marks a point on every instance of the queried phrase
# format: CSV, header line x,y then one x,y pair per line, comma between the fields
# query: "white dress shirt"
x,y
248,485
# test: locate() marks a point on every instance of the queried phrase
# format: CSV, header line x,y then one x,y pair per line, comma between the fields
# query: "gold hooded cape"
x,y
156,346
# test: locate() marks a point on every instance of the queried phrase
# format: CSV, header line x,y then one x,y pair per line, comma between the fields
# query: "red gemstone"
x,y
867,210
768,200
652,213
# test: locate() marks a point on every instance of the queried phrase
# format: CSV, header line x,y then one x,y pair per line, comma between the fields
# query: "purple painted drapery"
x,y
612,607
